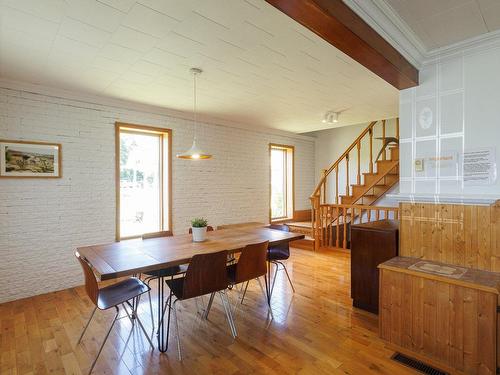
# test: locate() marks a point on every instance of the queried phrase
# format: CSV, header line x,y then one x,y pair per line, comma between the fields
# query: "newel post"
x,y
315,217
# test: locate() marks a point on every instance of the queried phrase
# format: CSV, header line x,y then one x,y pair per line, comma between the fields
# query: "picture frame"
x,y
30,159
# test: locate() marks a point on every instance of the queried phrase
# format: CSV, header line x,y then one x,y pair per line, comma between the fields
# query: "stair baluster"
x,y
337,229
337,185
358,177
384,155
371,150
345,213
347,174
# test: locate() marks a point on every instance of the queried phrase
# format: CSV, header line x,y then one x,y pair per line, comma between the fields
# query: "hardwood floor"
x,y
315,331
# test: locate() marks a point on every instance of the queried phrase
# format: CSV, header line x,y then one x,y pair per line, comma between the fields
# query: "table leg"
x,y
162,335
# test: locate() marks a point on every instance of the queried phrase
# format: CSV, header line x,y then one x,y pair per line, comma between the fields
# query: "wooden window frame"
x,y
162,132
289,210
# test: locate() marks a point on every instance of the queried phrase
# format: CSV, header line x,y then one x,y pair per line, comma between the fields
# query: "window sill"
x,y
281,221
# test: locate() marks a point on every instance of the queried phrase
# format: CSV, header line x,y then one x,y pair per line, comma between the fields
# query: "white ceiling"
x,y
438,23
260,67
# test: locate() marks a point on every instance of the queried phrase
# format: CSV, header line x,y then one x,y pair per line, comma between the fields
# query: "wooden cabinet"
x,y
371,244
442,314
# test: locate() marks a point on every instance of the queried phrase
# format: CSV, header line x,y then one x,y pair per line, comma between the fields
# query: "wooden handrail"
x,y
342,157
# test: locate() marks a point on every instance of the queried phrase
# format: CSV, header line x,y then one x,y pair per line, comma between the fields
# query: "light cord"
x,y
194,106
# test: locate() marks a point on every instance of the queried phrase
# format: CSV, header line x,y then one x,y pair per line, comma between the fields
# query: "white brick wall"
x,y
42,221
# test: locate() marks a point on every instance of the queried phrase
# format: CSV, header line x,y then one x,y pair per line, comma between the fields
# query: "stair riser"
x,y
394,151
375,190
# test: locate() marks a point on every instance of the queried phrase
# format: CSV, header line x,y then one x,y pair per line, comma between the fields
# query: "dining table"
x,y
136,256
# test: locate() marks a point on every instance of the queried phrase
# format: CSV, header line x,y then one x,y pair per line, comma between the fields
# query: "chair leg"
x,y
244,292
176,323
274,277
229,315
140,324
267,299
105,339
151,311
288,276
87,325
136,318
209,306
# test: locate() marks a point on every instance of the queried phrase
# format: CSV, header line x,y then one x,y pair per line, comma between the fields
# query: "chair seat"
x,y
166,272
120,292
278,253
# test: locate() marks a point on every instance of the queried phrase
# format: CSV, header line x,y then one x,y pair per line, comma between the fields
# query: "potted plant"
x,y
199,229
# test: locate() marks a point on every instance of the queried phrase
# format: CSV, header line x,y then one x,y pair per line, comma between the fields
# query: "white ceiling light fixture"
x,y
331,117
194,153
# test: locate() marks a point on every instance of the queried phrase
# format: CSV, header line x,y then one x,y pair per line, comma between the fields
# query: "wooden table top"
x,y
467,277
129,257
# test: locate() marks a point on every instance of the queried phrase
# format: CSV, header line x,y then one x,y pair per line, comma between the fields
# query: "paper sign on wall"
x,y
480,166
447,163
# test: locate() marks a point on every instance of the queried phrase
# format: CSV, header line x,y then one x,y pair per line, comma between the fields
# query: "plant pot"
x,y
199,234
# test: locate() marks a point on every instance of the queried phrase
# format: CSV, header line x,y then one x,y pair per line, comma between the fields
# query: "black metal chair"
x,y
279,253
120,293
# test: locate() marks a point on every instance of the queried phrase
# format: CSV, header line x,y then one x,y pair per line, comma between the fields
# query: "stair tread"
x,y
376,173
352,196
387,161
364,185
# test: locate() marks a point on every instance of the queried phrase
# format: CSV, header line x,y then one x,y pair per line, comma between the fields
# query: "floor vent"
x,y
417,365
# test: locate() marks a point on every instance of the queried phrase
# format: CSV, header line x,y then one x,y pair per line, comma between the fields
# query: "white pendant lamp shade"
x,y
194,153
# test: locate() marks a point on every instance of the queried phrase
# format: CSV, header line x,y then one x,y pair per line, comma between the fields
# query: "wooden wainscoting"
x,y
463,235
448,323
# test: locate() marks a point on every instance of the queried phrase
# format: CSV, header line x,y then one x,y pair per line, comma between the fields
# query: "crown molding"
x,y
100,100
385,21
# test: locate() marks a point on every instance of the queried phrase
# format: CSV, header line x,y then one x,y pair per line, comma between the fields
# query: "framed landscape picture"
x,y
30,159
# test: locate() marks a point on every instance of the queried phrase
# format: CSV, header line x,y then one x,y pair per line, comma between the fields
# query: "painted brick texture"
x,y
42,221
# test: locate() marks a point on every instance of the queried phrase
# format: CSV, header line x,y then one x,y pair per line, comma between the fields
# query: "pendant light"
x,y
194,153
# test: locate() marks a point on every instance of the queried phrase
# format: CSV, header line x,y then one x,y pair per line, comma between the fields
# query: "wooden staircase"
x,y
375,184
355,201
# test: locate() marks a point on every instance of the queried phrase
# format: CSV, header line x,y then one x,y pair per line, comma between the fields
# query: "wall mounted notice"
x,y
480,166
447,163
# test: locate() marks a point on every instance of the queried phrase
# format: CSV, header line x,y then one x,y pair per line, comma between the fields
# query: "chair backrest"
x,y
282,227
206,274
252,262
165,233
209,229
91,286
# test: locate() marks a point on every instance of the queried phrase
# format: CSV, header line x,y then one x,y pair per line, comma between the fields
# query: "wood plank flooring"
x,y
314,331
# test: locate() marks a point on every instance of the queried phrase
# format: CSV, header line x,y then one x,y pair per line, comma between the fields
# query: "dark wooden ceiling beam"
x,y
340,26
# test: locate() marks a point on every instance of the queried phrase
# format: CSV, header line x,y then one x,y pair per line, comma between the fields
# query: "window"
x,y
143,180
282,174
